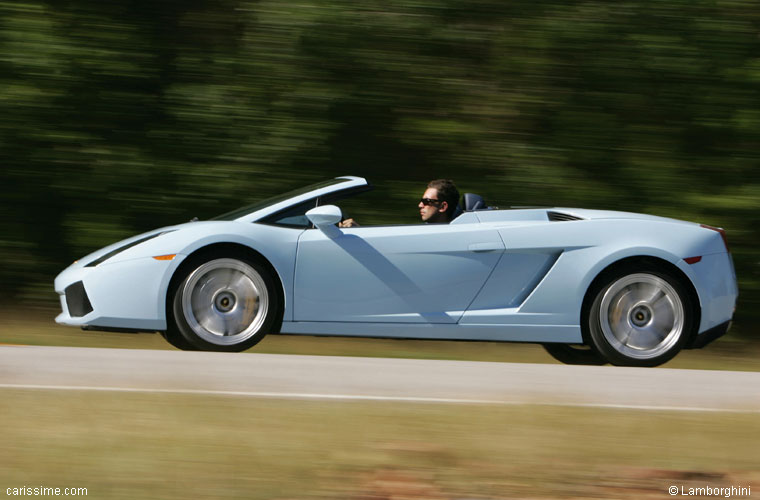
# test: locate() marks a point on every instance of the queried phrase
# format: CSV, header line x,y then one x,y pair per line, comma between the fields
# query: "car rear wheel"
x,y
225,304
574,355
640,317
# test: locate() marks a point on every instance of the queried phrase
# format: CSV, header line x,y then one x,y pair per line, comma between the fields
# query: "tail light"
x,y
722,234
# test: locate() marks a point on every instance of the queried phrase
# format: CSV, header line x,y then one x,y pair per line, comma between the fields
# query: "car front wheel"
x,y
225,304
574,354
640,317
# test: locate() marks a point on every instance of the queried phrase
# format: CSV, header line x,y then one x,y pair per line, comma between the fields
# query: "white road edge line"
x,y
360,397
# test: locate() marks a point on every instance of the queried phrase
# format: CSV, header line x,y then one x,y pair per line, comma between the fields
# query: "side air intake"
x,y
561,217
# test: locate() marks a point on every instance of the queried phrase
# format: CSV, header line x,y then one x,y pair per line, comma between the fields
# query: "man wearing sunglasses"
x,y
437,206
439,202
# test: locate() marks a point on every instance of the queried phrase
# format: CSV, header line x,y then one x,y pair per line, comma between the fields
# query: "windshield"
x,y
248,209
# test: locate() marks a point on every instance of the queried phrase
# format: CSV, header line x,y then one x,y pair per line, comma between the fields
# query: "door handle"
x,y
490,246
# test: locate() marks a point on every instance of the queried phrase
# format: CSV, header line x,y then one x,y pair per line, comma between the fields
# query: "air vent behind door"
x,y
561,217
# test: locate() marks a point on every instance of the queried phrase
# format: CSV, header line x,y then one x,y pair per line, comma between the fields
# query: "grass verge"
x,y
126,446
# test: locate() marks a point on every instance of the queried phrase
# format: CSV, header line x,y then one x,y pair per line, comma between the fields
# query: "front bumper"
x,y
127,295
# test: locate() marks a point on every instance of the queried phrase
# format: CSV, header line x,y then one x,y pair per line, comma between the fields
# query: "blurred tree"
x,y
123,116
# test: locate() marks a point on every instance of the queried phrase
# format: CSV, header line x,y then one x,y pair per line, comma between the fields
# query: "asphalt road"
x,y
346,378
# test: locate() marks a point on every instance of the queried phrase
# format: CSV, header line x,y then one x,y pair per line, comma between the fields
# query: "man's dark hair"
x,y
447,192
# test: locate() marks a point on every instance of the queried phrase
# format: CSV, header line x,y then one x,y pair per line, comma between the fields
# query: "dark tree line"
x,y
118,117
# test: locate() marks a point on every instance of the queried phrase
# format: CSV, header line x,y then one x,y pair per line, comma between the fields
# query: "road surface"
x,y
347,378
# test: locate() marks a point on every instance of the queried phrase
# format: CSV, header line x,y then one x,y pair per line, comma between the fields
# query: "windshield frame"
x,y
263,208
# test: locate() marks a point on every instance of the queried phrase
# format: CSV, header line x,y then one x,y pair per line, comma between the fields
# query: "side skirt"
x,y
428,331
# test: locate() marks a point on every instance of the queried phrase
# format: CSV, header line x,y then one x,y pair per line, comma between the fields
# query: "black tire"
x,y
225,303
176,339
574,354
639,315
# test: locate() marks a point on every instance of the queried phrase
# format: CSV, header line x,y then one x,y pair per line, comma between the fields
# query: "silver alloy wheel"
x,y
641,316
225,301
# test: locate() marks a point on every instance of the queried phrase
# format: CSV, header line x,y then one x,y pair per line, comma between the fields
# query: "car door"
x,y
425,273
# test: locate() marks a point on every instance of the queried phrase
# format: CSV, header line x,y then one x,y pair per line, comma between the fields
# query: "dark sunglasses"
x,y
430,201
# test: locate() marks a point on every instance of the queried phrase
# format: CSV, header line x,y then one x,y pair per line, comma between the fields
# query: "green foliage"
x,y
118,117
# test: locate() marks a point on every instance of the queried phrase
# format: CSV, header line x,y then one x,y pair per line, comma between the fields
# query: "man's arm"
x,y
348,223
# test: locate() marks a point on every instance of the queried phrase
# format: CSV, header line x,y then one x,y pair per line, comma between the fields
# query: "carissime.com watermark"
x,y
43,491
710,491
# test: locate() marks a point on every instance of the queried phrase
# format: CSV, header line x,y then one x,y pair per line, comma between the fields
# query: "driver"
x,y
437,206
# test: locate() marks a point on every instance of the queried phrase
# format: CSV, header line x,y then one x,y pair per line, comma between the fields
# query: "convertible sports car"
x,y
591,286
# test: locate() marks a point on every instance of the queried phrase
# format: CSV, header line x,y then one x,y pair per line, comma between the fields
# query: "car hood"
x,y
152,235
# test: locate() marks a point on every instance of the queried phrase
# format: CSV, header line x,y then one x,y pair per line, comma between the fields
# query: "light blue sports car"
x,y
591,286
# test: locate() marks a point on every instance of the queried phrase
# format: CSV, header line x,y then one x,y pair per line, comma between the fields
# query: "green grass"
x,y
127,446
39,328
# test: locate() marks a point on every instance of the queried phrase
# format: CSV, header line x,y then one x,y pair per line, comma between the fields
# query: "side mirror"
x,y
325,216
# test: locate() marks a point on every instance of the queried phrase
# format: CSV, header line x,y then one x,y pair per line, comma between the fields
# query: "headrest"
x,y
473,202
